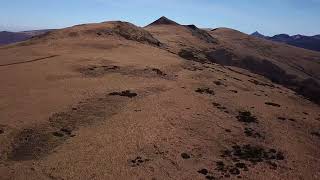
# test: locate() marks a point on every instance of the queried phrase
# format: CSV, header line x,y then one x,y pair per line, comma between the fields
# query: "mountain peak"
x,y
257,34
163,21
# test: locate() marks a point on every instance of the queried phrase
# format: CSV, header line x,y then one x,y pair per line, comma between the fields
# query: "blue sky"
x,y
268,17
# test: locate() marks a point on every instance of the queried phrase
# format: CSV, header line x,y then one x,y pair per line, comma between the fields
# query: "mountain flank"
x,y
112,100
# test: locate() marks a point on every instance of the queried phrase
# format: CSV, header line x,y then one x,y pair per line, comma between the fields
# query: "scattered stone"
x,y
254,154
228,130
234,91
234,171
126,93
66,131
260,83
58,134
138,161
272,104
221,107
241,165
247,117
273,165
158,71
314,133
251,133
205,90
236,79
210,177
216,104
203,171
185,156
293,120
220,166
106,68
1,131
282,118
218,83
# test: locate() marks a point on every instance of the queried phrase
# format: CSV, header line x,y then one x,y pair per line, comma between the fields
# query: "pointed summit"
x,y
163,21
257,34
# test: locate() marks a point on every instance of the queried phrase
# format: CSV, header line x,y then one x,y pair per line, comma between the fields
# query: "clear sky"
x,y
268,17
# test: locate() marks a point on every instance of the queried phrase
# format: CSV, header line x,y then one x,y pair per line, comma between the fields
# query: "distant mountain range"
x,y
302,41
7,37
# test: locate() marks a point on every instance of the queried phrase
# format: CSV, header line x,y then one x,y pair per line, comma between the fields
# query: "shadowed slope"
x,y
283,64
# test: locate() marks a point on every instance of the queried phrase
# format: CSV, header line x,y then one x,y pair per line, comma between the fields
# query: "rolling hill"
x,y
112,100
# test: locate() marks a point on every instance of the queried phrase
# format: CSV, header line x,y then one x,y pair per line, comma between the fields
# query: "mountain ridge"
x,y
302,41
7,37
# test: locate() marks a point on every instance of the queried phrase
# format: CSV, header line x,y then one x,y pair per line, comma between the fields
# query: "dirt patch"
x,y
37,142
32,144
